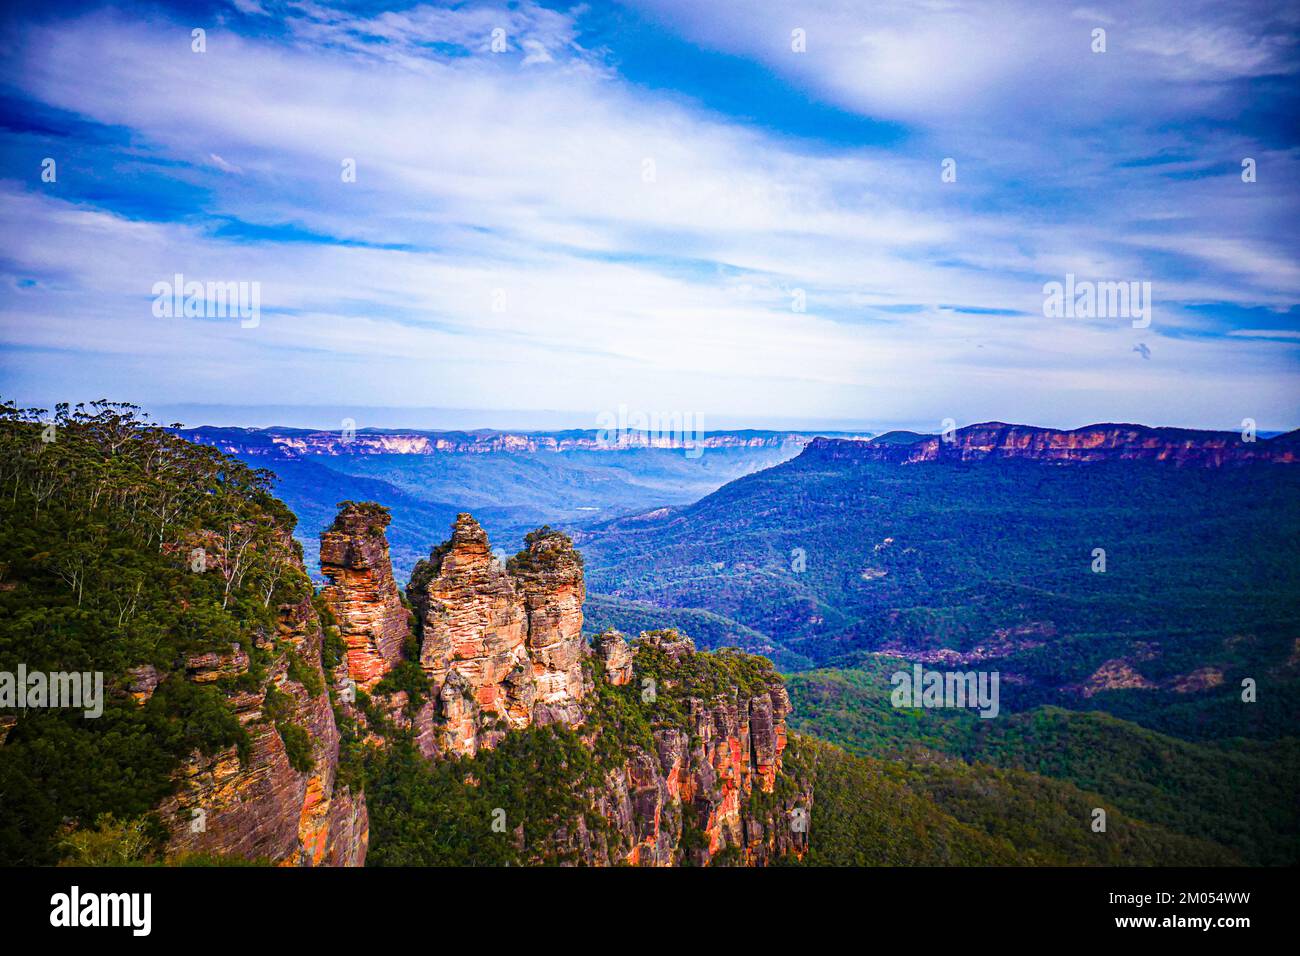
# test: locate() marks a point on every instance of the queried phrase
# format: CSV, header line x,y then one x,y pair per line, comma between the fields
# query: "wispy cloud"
x,y
531,229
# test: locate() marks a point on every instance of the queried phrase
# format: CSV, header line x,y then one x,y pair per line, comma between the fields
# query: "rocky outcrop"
x,y
614,653
372,620
1092,443
1201,679
214,665
143,682
362,593
692,797
548,576
296,443
1115,674
260,806
502,647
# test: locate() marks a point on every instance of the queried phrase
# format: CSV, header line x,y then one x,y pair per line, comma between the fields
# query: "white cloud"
x,y
1019,62
524,173
224,166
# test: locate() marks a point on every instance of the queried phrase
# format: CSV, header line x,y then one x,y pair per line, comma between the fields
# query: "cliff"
x,y
184,594
710,787
689,746
299,443
279,798
1092,443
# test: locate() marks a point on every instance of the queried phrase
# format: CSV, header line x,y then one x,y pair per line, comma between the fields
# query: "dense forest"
x,y
106,521
124,547
1238,793
829,562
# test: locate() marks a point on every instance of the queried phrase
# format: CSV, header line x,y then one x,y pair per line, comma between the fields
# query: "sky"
x,y
756,213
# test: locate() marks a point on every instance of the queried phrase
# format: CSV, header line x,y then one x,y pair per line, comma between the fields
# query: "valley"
x,y
377,722
1146,570
512,481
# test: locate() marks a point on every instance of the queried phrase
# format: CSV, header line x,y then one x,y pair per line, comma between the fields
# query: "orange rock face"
x,y
1105,442
548,576
689,800
502,647
372,620
362,594
263,808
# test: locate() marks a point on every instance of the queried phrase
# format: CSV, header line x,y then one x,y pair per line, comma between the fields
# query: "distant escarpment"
x,y
1092,443
644,754
299,443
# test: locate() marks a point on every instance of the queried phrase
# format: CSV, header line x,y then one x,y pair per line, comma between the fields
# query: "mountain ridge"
x,y
300,442
849,548
1102,441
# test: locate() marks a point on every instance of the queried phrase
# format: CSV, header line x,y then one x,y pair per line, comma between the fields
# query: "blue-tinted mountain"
x,y
1153,569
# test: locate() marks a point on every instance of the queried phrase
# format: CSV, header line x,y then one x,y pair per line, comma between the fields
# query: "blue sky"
x,y
626,206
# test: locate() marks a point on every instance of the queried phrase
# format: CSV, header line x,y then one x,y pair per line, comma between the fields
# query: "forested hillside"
x,y
997,562
1195,789
131,552
171,568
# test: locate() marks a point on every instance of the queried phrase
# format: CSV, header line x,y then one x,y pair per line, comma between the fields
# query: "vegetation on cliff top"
x,y
522,802
123,546
370,510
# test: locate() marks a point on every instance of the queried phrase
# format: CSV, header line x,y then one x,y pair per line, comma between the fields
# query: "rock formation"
x,y
260,807
1115,674
689,798
502,647
361,591
373,622
1092,443
548,576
